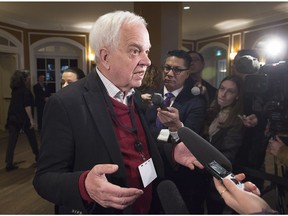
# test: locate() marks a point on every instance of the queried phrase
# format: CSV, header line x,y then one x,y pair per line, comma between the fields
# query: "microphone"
x,y
210,157
198,89
195,91
170,198
157,100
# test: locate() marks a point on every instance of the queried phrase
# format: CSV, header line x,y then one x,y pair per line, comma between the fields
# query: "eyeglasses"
x,y
176,70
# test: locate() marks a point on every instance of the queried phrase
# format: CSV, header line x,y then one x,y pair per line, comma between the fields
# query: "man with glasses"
x,y
195,79
184,109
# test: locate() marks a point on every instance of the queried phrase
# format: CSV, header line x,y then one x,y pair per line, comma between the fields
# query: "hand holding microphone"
x,y
245,201
168,116
158,100
198,89
210,157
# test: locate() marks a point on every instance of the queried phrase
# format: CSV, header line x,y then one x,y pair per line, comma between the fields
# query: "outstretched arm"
x,y
242,201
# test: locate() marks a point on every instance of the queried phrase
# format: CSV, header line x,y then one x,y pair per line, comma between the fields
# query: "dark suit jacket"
x,y
191,112
78,134
211,90
40,95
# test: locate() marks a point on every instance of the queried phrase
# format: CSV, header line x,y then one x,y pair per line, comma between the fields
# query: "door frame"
x,y
41,43
17,52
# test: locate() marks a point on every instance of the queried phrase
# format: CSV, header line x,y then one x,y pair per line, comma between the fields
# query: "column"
x,y
164,25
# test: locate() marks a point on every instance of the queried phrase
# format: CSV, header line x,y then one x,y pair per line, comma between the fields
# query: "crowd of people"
x,y
105,146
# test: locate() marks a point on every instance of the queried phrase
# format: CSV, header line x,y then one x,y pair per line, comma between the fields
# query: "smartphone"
x,y
220,173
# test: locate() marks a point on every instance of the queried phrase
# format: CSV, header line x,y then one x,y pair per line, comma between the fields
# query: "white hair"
x,y
105,31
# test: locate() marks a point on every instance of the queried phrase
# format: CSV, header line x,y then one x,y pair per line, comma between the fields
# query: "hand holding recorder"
x,y
210,157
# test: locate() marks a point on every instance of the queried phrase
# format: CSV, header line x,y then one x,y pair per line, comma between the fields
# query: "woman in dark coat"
x,y
20,116
224,130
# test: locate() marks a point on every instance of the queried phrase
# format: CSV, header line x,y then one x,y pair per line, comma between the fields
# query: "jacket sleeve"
x,y
55,179
229,142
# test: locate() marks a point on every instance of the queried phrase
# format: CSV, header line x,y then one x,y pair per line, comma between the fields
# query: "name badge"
x,y
147,172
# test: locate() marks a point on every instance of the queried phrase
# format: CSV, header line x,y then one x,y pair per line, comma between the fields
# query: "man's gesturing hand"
x,y
107,194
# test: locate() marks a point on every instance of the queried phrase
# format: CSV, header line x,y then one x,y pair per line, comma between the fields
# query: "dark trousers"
x,y
40,109
14,131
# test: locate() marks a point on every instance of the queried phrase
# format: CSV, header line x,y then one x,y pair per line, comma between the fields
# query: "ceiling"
x,y
203,19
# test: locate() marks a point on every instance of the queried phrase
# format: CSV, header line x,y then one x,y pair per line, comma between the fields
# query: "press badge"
x,y
147,172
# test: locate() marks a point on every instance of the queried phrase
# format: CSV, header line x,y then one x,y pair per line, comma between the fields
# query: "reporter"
x,y
245,201
182,109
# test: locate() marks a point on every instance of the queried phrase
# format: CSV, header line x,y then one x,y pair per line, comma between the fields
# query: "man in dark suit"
x,y
195,79
190,108
95,142
42,94
184,109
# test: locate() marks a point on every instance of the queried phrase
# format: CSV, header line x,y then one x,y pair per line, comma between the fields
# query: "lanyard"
x,y
138,146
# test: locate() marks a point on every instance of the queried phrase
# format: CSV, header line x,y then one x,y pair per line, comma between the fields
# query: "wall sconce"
x,y
91,57
232,55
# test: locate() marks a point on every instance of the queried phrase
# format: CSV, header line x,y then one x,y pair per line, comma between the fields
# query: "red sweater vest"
x,y
132,158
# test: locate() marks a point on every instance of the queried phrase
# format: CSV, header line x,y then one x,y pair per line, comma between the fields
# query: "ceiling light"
x,y
230,24
87,25
186,7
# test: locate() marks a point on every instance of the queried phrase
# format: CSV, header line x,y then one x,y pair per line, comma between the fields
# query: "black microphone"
x,y
170,198
202,149
157,100
210,157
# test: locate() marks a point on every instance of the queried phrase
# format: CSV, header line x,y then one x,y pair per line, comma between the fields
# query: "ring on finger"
x,y
222,192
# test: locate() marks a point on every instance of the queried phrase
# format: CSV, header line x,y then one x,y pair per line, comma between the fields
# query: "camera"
x,y
269,88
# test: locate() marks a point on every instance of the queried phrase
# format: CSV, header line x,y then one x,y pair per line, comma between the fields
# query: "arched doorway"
x,y
216,64
51,56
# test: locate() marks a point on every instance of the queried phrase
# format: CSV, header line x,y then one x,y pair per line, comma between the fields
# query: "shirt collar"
x,y
175,92
114,91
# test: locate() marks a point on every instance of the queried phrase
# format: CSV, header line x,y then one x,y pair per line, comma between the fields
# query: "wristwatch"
x,y
174,137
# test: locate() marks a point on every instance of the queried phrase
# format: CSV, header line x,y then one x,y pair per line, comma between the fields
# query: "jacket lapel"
x,y
94,97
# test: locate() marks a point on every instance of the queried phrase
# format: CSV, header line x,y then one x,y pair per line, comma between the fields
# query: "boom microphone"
x,y
210,157
170,198
202,149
